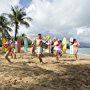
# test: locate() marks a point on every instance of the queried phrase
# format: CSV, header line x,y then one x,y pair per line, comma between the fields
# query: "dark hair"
x,y
73,41
39,34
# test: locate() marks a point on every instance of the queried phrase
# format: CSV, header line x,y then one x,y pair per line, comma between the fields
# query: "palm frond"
x,y
9,29
13,10
25,23
27,18
4,24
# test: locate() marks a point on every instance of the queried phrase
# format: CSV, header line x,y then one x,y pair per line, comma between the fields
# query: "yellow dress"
x,y
3,41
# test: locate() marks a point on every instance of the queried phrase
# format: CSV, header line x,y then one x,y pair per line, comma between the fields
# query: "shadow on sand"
x,y
70,77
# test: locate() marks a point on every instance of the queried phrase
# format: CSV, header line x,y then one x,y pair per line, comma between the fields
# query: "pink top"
x,y
57,46
6,44
76,44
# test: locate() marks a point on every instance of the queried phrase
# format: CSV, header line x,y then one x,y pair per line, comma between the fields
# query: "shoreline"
x,y
81,54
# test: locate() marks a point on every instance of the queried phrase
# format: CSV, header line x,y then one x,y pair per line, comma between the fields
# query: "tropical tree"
x,y
18,17
4,25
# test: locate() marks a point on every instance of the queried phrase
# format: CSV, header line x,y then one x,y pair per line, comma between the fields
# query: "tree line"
x,y
15,18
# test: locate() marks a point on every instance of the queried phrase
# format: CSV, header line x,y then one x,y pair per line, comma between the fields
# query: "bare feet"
x,y
42,62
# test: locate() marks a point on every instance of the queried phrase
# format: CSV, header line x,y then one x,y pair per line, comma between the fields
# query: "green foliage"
x,y
45,45
18,17
22,41
4,26
68,45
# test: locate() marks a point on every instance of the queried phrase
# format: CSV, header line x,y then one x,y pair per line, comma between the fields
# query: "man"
x,y
39,43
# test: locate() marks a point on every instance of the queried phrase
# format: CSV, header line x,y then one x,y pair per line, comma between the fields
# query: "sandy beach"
x,y
26,73
57,32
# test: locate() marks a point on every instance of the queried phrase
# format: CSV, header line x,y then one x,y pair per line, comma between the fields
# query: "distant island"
x,y
84,45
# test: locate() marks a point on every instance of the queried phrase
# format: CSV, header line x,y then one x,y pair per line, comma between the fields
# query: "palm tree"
x,y
4,26
18,17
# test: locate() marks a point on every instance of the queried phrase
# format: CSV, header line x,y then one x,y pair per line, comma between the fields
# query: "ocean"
x,y
84,51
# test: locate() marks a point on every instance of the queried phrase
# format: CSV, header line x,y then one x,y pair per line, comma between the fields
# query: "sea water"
x,y
84,51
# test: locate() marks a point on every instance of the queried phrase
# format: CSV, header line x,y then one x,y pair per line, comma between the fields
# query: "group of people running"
x,y
55,46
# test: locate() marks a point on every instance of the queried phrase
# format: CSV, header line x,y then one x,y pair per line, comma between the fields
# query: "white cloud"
x,y
67,17
81,30
83,34
14,2
5,5
60,16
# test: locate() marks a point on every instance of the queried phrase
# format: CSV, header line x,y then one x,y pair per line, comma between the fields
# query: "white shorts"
x,y
39,50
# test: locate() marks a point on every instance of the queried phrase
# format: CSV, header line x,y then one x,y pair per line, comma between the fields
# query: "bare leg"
x,y
33,51
14,55
67,57
40,58
76,56
57,56
6,57
11,55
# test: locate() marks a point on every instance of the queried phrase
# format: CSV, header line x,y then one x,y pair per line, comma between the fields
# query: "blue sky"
x,y
25,3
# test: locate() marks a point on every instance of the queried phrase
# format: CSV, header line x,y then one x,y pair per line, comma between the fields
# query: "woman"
x,y
9,51
75,46
57,48
33,48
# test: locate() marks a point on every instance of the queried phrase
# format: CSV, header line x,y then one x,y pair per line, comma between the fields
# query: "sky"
x,y
66,18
